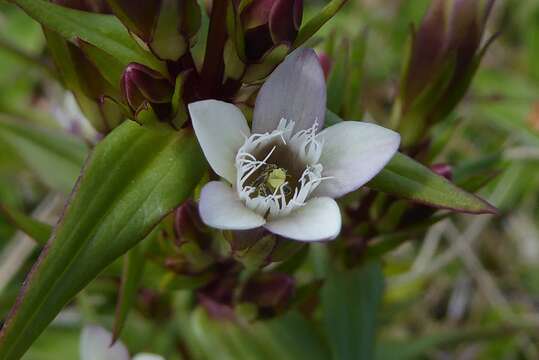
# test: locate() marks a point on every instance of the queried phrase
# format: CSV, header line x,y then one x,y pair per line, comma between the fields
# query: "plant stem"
x,y
213,66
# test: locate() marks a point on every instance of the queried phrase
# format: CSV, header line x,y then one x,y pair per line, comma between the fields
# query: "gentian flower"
x,y
285,172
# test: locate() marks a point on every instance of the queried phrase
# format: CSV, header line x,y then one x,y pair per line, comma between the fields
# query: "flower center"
x,y
278,171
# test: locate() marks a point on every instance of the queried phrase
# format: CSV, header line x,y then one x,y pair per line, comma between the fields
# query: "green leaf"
x,y
133,269
405,177
133,179
338,77
417,348
314,24
103,31
288,337
56,158
350,301
110,68
37,230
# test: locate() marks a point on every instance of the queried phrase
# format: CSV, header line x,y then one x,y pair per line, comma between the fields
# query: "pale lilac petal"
x,y
295,91
319,219
95,345
145,356
221,129
353,153
221,208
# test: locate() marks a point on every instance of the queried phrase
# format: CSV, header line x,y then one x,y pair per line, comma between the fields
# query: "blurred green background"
x,y
468,290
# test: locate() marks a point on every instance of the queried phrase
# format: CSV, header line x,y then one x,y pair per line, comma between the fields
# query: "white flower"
x,y
95,344
284,174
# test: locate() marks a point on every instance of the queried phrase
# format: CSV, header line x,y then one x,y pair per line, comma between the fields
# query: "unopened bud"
x,y
140,84
444,170
188,226
444,55
166,26
270,292
268,23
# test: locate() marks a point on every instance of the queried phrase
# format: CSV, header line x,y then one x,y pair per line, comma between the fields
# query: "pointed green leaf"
x,y
404,177
37,230
103,31
350,301
314,24
56,158
131,181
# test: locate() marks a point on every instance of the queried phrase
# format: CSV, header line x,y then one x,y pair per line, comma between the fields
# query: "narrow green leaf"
x,y
350,301
131,181
133,269
314,24
338,78
407,178
103,31
56,158
37,230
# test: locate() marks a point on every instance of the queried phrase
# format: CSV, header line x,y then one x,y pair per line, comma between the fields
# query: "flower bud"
x,y
270,292
166,26
268,23
140,84
444,54
444,170
188,226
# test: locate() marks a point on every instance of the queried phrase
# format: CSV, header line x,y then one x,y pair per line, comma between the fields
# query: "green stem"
x,y
213,66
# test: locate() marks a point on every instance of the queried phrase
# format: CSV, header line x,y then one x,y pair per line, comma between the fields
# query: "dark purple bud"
x,y
451,31
443,57
188,226
270,291
268,23
444,170
140,83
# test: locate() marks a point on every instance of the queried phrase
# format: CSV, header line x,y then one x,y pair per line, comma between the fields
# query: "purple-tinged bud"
x,y
166,26
270,292
444,170
444,54
188,227
268,23
141,84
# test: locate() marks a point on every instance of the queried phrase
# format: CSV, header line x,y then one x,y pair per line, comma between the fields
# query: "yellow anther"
x,y
276,178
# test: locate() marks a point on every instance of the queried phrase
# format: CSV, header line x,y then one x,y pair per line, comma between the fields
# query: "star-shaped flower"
x,y
285,172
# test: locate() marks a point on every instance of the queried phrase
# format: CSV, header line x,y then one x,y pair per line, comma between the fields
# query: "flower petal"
x,y
295,91
221,208
95,345
221,129
319,219
353,153
145,356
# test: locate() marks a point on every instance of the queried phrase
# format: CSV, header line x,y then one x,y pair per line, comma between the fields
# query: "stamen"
x,y
271,194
